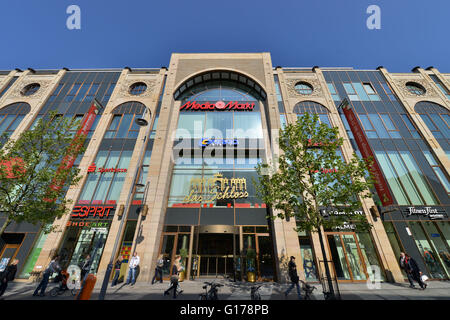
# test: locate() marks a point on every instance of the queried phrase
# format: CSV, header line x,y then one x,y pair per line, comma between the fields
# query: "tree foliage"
x,y
311,176
33,181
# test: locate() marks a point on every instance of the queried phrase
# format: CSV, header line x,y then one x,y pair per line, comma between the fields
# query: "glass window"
x,y
248,125
437,170
391,178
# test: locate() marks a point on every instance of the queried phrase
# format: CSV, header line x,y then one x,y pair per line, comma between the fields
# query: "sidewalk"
x,y
437,290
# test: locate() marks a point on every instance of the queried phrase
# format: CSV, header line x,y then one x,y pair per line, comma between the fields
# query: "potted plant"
x,y
183,255
251,255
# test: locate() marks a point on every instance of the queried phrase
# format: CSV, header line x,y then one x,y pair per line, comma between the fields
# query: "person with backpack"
x,y
294,278
8,275
159,269
117,267
52,268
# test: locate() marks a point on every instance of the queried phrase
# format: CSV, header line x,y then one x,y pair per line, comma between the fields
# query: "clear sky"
x,y
297,33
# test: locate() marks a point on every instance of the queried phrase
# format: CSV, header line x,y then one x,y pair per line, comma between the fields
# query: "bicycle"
x,y
62,279
210,294
254,294
308,289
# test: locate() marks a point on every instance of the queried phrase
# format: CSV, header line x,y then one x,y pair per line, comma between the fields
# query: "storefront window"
x,y
309,265
34,255
425,249
393,240
438,243
370,256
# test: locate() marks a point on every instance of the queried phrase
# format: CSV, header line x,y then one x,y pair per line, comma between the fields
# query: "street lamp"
x,y
142,123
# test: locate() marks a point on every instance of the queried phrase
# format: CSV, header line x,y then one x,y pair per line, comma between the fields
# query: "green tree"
x,y
35,171
310,177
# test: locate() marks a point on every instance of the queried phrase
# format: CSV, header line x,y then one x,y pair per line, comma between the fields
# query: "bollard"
x,y
88,287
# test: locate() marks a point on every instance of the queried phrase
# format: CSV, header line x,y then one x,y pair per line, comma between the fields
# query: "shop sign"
x,y
326,213
89,224
96,212
430,212
219,105
367,153
217,142
216,188
92,168
345,226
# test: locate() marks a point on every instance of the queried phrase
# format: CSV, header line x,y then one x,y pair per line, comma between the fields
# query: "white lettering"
x,y
373,21
74,20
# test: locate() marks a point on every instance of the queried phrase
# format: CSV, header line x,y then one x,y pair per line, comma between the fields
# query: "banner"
x,y
82,132
366,151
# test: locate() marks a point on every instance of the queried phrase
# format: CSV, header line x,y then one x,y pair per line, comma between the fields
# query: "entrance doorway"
x,y
347,257
215,254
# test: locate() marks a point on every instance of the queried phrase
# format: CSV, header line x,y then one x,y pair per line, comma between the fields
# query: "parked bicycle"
x,y
62,278
254,294
210,294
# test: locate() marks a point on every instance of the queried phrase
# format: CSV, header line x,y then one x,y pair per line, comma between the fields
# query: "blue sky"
x,y
297,33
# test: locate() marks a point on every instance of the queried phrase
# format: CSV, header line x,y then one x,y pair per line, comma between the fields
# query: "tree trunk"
x,y
327,270
5,225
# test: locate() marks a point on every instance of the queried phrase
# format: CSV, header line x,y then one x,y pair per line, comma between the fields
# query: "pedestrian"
x,y
8,275
403,265
133,264
413,269
117,267
159,269
174,278
294,278
85,266
52,268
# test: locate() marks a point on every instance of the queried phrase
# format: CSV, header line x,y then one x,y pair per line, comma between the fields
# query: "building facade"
x,y
182,184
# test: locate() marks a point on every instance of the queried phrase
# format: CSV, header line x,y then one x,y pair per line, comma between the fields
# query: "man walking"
x,y
8,275
403,265
159,269
413,269
117,267
52,268
134,263
294,278
85,266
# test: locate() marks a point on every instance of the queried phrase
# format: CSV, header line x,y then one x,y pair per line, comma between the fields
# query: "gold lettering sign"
x,y
208,190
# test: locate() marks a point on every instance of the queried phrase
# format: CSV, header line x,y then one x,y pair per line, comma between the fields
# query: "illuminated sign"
x,y
90,224
430,212
92,169
217,142
207,190
219,106
96,212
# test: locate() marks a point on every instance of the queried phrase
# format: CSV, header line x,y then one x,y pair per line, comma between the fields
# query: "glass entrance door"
x,y
215,255
8,254
347,258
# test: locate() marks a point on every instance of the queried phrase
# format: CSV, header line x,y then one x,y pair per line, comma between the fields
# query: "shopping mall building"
x,y
182,181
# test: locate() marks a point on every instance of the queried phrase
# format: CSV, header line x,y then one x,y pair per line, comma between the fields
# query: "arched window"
x,y
11,116
437,119
123,124
313,108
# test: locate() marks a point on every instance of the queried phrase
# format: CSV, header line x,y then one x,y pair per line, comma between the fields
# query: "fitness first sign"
x,y
433,213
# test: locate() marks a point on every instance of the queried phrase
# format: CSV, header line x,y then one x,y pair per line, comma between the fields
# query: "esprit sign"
x,y
95,212
92,168
218,106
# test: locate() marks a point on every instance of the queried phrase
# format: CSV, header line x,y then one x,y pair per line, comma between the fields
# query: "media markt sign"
x,y
207,190
430,212
217,106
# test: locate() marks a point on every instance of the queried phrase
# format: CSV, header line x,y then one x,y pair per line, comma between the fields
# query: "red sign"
x,y
92,169
219,105
8,167
82,132
91,211
366,151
